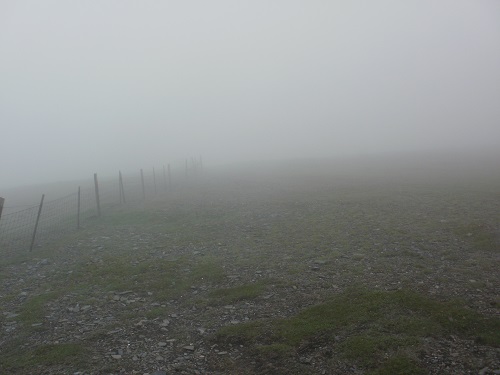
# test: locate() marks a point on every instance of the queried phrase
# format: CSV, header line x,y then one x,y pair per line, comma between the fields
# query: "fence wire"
x,y
57,217
61,216
16,230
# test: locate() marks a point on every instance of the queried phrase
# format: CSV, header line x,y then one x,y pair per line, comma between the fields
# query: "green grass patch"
x,y
374,324
33,310
155,312
165,278
399,365
14,358
239,293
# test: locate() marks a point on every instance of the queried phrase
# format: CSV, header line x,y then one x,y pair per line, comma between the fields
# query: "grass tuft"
x,y
374,324
239,293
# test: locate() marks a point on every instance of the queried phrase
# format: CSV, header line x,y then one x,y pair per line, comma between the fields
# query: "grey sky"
x,y
97,86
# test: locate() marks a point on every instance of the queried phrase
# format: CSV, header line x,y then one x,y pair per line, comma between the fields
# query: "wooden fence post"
x,y
97,201
78,210
154,179
164,177
2,200
143,188
36,223
169,177
122,191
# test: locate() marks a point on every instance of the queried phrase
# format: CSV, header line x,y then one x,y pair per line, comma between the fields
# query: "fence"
x,y
45,222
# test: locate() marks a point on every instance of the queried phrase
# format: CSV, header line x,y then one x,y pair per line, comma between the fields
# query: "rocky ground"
x,y
148,288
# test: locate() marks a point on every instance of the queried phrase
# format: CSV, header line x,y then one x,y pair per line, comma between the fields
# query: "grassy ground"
x,y
310,271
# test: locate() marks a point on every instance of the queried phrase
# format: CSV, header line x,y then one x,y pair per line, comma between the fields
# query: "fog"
x,y
98,86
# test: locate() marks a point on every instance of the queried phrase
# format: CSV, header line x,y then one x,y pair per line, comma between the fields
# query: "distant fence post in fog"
x,y
78,210
36,223
2,200
122,191
143,188
164,177
169,177
98,204
154,179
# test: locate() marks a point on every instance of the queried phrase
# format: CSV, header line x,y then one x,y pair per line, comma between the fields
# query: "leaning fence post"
x,y
98,204
143,188
122,191
2,200
36,223
78,210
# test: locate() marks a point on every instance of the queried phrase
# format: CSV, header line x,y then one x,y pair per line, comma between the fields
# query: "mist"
x,y
100,86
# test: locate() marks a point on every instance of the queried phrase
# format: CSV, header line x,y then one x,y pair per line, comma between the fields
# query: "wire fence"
x,y
44,223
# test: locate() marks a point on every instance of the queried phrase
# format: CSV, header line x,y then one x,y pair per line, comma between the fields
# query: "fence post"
x,y
2,200
154,179
36,223
122,191
164,177
143,188
169,177
78,210
97,195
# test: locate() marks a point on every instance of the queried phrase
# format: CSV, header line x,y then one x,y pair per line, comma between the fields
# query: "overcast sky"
x,y
97,85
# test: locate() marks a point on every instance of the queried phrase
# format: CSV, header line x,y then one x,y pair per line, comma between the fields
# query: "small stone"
x,y
161,343
116,356
188,347
221,353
